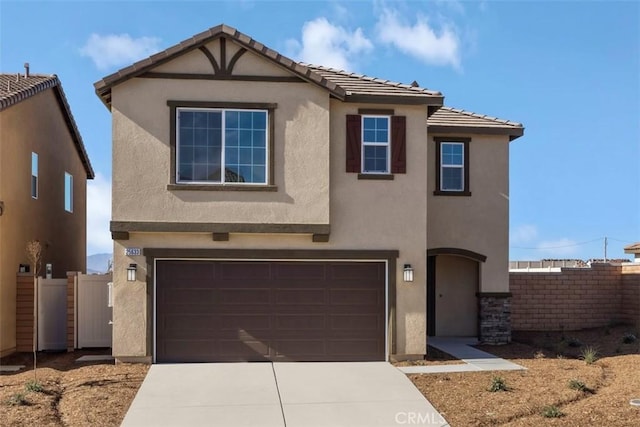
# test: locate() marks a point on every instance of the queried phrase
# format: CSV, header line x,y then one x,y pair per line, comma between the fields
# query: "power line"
x,y
560,246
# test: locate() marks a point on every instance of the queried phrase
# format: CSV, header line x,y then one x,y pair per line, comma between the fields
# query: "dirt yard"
x,y
557,382
73,394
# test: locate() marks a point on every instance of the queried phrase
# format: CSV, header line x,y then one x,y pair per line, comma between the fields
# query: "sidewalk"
x,y
460,348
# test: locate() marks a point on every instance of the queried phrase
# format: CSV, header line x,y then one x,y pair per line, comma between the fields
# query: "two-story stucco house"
x,y
265,209
44,169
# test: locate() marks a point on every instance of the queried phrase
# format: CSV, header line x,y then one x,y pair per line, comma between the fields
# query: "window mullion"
x,y
223,138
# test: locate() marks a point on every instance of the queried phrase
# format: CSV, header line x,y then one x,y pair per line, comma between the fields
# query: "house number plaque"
x,y
132,251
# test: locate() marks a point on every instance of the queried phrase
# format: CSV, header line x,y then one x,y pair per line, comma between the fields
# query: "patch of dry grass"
x,y
73,394
612,381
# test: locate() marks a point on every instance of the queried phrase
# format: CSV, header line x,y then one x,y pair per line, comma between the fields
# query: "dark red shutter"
x,y
354,140
398,144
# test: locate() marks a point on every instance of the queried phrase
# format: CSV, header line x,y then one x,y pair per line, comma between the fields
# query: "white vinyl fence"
x,y
93,312
52,314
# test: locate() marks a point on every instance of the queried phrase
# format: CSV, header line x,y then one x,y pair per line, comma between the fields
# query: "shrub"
x,y
589,355
34,386
552,411
629,338
576,384
17,399
498,384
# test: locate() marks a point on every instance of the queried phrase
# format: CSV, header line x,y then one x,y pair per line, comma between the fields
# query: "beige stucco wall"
x,y
479,223
141,156
37,125
310,134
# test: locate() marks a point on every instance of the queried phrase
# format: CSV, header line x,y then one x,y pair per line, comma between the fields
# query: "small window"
x,y
375,144
218,146
34,175
452,166
68,192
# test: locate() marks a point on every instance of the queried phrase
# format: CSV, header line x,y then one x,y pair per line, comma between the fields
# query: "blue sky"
x,y
570,71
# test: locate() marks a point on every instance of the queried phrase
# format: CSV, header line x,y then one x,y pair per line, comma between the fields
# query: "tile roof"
x,y
359,84
15,88
632,249
340,84
451,120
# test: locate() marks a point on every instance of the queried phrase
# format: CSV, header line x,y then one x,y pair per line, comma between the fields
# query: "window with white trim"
x,y
375,144
218,146
68,192
452,166
34,175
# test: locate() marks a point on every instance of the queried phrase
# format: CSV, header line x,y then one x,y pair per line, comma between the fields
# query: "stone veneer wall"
x,y
495,318
575,298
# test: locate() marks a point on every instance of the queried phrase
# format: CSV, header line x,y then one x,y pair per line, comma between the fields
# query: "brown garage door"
x,y
269,310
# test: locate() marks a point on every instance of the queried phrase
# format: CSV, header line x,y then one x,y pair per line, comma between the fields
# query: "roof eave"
x,y
73,129
103,86
513,132
431,100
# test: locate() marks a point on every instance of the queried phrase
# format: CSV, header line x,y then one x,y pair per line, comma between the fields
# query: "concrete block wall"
x,y
631,294
574,298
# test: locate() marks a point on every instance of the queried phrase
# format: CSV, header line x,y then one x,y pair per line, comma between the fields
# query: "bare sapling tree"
x,y
34,253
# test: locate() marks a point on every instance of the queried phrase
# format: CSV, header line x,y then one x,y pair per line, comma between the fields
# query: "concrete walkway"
x,y
279,394
460,348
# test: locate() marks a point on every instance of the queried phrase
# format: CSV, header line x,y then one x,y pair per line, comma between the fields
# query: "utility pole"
x,y
605,249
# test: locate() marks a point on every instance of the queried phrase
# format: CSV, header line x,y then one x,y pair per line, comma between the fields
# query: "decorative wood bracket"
x,y
224,68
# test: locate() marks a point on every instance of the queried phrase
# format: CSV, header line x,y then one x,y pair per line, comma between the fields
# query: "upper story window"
x,y
452,166
68,192
222,146
34,175
375,144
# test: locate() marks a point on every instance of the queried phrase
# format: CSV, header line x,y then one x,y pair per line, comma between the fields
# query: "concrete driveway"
x,y
279,395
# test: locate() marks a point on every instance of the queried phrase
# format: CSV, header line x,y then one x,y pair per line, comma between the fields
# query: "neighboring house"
x,y
43,176
633,249
272,210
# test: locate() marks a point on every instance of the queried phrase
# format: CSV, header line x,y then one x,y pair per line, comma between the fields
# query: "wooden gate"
x,y
94,314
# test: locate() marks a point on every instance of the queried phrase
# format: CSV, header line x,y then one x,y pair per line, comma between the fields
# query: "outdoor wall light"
x,y
408,273
131,272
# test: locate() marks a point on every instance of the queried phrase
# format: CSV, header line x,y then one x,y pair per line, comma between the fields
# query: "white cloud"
x,y
331,45
420,40
523,234
98,215
114,50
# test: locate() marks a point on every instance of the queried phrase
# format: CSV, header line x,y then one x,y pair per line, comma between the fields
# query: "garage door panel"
x,y
242,271
354,322
187,270
189,296
360,271
244,296
251,322
355,297
300,296
247,349
298,270
299,347
301,322
269,310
